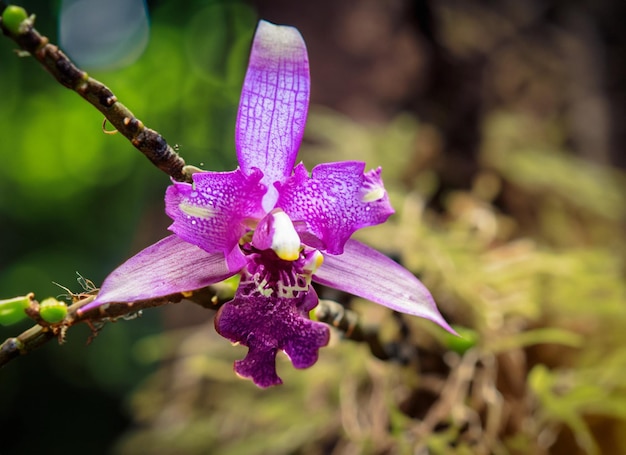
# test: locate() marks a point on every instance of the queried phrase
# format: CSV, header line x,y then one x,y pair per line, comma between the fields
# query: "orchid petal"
x,y
212,212
266,324
168,267
274,103
335,201
365,272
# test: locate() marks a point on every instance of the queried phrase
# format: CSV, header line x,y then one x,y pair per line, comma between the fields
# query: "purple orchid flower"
x,y
274,225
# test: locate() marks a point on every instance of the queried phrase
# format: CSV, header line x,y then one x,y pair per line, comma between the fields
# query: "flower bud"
x,y
52,311
12,310
12,18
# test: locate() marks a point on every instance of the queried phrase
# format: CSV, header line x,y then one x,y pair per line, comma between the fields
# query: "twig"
x,y
146,140
211,297
347,321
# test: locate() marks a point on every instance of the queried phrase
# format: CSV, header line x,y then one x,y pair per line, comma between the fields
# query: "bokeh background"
x,y
500,129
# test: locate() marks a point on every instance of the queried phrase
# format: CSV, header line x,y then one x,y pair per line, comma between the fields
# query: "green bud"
x,y
467,339
12,310
52,311
12,18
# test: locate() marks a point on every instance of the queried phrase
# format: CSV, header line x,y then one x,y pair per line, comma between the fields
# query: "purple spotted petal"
x,y
168,267
335,201
266,325
212,213
274,103
259,364
365,272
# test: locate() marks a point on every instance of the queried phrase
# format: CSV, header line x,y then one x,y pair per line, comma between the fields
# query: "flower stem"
x,y
211,297
347,322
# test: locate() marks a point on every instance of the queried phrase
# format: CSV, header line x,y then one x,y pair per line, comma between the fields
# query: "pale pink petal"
x,y
366,273
168,267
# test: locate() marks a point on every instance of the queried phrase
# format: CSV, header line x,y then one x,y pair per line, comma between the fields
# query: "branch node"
x,y
12,345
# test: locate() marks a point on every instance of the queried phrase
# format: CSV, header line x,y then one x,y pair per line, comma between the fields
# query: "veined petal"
x,y
365,272
274,103
335,201
168,267
212,212
267,324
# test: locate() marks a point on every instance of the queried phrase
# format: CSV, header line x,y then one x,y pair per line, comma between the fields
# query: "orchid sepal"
x,y
170,266
379,279
274,103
